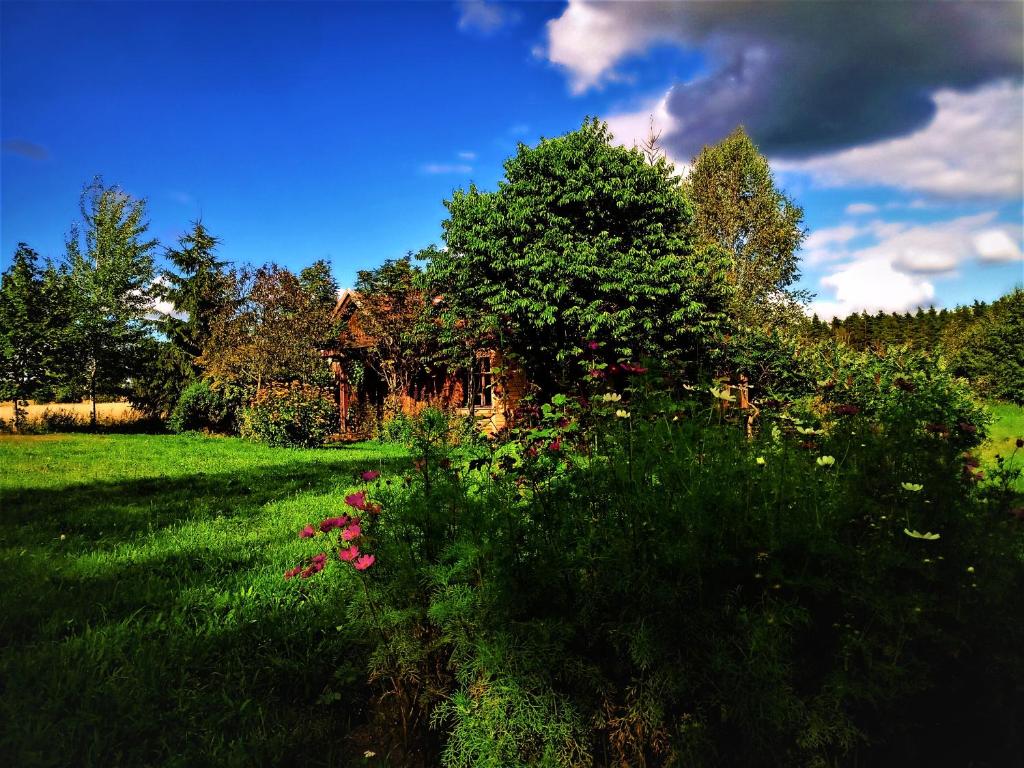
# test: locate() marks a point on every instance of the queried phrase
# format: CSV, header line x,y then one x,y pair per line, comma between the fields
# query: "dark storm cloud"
x,y
26,149
810,77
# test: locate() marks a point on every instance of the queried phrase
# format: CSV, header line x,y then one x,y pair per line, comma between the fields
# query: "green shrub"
x,y
200,408
397,429
299,417
637,582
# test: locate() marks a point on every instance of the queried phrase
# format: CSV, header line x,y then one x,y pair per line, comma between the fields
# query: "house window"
x,y
480,385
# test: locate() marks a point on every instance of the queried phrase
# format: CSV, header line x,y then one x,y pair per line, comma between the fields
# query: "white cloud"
x,y
820,238
445,168
587,39
894,273
483,17
973,147
858,209
995,245
467,155
632,129
872,285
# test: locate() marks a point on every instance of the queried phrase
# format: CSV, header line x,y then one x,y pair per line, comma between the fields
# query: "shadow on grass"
x,y
106,513
186,651
132,671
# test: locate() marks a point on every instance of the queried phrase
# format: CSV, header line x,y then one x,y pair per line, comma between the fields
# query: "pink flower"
x,y
596,374
348,555
357,500
363,562
351,533
334,522
630,368
307,533
370,475
593,346
319,559
556,445
292,572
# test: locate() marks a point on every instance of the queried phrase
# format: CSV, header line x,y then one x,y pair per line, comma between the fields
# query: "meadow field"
x,y
108,415
1007,426
144,609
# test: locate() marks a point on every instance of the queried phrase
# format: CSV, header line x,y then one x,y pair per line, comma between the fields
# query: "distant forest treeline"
x,y
983,342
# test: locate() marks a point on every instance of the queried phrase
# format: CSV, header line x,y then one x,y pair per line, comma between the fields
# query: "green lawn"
x,y
1008,425
145,620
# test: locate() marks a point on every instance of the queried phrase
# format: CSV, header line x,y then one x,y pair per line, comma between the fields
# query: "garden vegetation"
x,y
714,533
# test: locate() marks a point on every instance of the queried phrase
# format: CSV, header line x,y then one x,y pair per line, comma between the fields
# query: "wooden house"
x,y
490,392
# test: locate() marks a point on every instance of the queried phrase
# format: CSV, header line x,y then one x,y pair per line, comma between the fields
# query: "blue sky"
x,y
301,131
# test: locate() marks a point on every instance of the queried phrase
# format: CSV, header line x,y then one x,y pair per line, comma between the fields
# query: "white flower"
x,y
611,397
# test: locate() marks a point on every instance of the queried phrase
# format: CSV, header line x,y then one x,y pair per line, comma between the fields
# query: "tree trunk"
x,y
92,397
17,414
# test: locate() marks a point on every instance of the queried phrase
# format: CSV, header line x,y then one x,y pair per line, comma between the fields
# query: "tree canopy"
x,y
738,208
582,241
25,342
112,288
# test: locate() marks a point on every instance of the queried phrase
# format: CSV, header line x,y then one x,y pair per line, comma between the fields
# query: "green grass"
x,y
145,620
1007,426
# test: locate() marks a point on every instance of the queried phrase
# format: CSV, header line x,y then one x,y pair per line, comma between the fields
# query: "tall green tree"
x,y
272,333
582,241
198,287
25,345
318,281
111,273
738,208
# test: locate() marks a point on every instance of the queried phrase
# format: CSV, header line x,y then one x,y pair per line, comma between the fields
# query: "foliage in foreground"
x,y
633,582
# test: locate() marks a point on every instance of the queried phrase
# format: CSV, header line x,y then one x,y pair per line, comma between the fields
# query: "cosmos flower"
x,y
826,461
307,533
912,487
370,475
919,535
622,414
363,562
611,397
351,533
357,500
349,554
